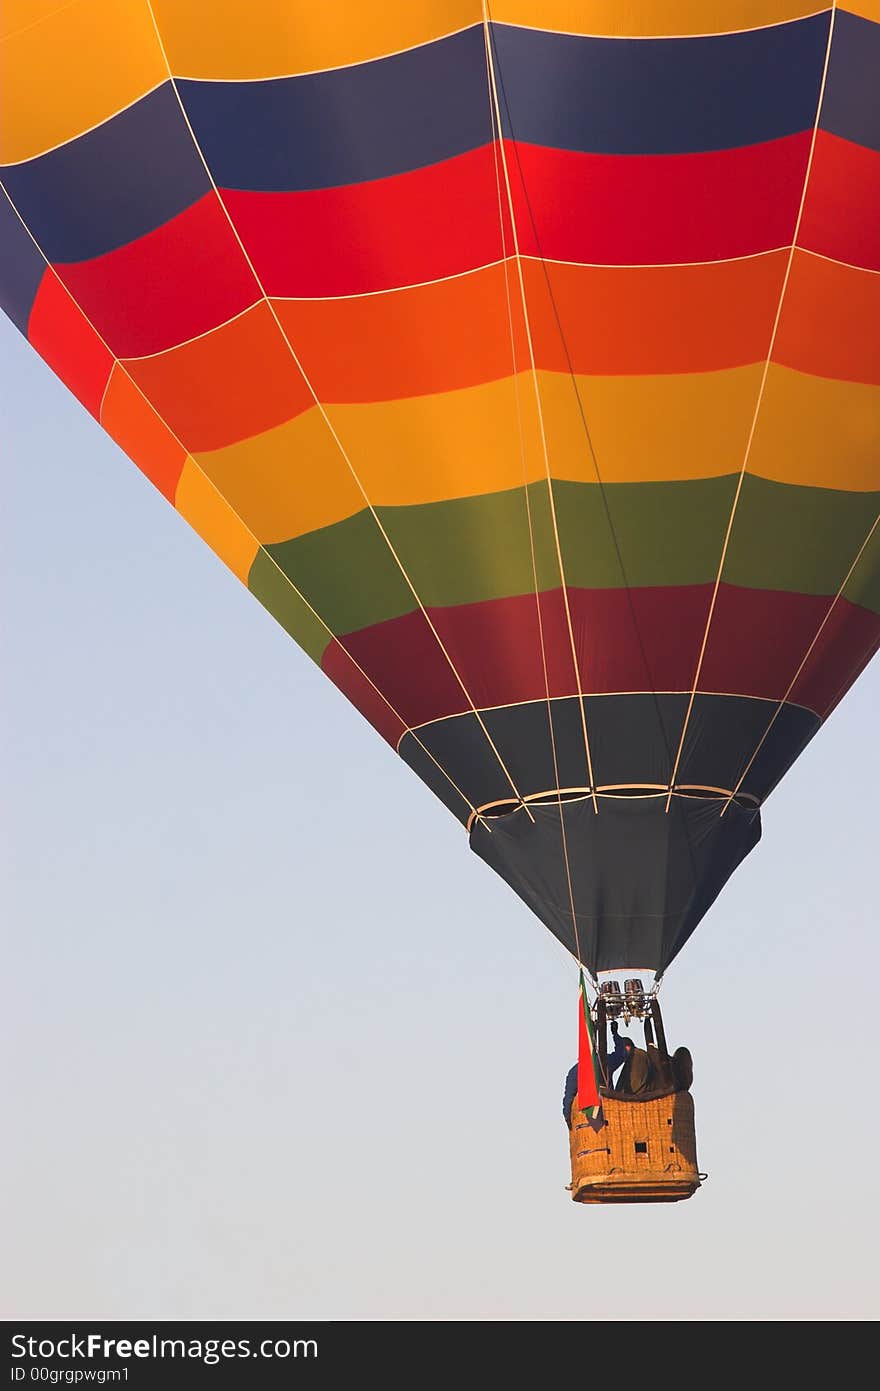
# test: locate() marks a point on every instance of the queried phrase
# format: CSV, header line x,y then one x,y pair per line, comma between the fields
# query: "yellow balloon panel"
x,y
210,514
236,39
643,18
69,68
818,432
286,482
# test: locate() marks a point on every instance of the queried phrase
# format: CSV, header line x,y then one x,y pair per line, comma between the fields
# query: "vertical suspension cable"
x,y
538,403
758,404
637,629
496,140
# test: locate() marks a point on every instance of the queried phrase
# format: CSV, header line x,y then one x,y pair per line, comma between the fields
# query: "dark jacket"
x,y
617,1056
662,1078
683,1069
635,1075
571,1086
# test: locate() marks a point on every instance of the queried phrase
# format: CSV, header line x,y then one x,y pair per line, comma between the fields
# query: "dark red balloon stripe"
x,y
643,640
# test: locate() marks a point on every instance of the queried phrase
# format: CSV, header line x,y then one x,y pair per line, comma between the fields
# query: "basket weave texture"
x,y
646,1153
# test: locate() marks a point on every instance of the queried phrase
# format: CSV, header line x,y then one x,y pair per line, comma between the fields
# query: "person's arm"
x,y
617,1057
613,1058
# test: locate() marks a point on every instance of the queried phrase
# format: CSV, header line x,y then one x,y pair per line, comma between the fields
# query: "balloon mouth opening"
x,y
509,806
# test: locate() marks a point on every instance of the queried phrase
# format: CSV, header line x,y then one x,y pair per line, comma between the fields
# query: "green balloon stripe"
x,y
800,540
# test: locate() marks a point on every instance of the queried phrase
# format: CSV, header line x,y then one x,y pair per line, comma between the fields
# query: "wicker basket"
x,y
647,1153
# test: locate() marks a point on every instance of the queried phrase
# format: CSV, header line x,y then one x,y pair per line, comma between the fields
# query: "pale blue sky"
x,y
281,1046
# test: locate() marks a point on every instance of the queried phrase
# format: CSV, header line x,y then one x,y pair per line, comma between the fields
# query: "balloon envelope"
x,y
522,361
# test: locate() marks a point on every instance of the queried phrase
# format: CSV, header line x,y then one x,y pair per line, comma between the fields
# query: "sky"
x,y
277,1045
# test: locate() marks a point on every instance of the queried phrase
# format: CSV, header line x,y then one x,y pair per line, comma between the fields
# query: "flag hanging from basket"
x,y
588,1099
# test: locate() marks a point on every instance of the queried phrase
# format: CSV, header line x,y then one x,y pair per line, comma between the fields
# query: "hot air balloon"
x,y
521,358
